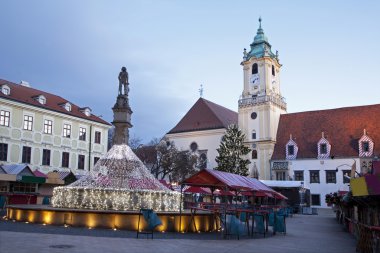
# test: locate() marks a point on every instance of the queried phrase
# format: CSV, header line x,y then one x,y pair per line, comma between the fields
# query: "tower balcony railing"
x,y
256,100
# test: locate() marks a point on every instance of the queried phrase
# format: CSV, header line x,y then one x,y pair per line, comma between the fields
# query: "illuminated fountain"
x,y
119,181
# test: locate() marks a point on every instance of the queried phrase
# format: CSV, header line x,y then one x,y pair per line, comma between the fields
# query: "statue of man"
x,y
123,81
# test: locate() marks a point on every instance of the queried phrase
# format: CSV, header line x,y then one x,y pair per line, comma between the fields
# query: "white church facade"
x,y
317,148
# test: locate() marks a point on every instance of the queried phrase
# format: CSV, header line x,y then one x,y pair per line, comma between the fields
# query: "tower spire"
x,y
201,91
260,22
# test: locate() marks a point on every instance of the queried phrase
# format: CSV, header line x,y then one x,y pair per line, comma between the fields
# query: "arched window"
x,y
273,72
254,154
255,68
253,135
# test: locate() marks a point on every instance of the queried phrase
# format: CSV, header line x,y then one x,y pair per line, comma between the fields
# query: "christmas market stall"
x,y
236,200
359,209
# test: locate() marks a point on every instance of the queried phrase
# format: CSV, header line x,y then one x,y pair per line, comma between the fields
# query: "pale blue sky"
x,y
329,51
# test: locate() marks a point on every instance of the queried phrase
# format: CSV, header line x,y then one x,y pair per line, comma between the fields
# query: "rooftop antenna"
x,y
201,91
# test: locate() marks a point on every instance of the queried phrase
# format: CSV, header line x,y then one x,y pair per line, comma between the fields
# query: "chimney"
x,y
25,83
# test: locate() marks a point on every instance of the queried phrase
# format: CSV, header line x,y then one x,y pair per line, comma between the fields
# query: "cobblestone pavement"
x,y
314,233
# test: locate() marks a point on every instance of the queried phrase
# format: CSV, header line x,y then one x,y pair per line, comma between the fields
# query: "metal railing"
x,y
277,100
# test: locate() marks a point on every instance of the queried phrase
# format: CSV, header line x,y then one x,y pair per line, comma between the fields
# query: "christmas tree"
x,y
232,151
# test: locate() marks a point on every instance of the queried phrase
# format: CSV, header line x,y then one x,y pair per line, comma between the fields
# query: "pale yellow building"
x,y
47,131
261,103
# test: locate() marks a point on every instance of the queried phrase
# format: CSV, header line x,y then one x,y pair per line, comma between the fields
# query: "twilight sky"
x,y
75,49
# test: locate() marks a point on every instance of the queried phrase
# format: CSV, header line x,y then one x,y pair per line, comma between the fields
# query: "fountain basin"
x,y
115,199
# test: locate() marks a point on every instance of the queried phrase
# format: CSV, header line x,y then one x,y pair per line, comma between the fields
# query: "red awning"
x,y
228,181
278,195
196,189
38,173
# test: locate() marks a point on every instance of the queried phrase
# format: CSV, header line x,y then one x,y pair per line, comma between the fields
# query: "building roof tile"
x,y
205,115
342,127
27,95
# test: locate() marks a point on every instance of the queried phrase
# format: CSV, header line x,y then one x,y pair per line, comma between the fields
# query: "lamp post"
x,y
353,168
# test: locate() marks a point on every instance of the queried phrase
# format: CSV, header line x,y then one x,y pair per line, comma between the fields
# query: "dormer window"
x,y
67,107
255,69
40,99
291,149
365,145
5,89
324,147
86,111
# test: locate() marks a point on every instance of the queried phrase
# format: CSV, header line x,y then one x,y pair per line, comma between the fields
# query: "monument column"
x,y
122,111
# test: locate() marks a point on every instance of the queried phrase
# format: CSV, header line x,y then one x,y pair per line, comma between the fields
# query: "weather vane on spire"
x,y
201,91
260,21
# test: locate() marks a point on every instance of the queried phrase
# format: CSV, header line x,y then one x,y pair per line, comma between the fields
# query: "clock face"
x,y
254,79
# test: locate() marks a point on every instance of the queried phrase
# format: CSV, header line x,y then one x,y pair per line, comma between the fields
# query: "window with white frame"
x,y
280,175
41,99
26,154
65,159
331,176
291,149
324,148
4,118
81,159
48,126
98,137
46,153
66,130
298,175
366,145
28,122
82,133
3,151
253,135
5,90
68,107
314,176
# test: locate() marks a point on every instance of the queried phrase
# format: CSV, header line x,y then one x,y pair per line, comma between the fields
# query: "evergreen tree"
x,y
231,152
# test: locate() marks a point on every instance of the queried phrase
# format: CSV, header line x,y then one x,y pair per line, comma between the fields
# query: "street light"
x,y
353,169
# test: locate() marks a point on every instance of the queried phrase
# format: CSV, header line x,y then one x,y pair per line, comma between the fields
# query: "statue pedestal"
x,y
121,120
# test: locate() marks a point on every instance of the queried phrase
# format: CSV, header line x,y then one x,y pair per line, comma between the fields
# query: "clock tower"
x,y
261,102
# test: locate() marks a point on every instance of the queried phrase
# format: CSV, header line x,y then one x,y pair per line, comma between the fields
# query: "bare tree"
x,y
134,142
165,161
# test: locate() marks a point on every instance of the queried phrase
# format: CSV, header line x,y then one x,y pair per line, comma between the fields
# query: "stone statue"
x,y
123,81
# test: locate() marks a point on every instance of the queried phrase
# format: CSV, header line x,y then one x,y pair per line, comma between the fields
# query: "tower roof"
x,y
260,46
205,115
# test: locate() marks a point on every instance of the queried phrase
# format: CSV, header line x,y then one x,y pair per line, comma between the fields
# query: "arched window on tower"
x,y
254,154
273,71
255,69
253,135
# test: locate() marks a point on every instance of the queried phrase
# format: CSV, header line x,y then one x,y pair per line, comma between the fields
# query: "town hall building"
x,y
318,148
